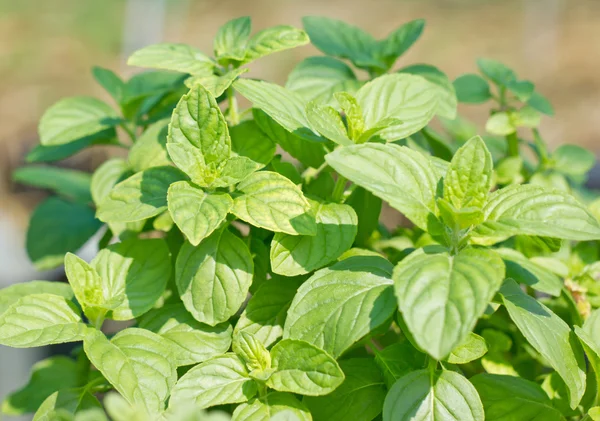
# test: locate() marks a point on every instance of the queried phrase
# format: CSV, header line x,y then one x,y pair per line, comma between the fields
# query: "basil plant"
x,y
242,250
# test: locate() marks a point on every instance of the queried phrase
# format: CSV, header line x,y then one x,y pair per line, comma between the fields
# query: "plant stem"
x,y
129,131
542,150
232,112
338,190
513,144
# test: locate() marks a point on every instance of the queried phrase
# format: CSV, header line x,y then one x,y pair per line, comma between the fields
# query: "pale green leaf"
x,y
534,210
47,376
40,319
271,201
354,116
150,149
135,270
447,95
272,406
274,39
12,293
472,348
588,336
511,397
299,254
359,398
234,170
231,39
138,363
500,124
72,184
549,335
177,57
57,227
302,368
328,122
265,314
401,176
141,196
318,78
469,177
437,396
286,107
405,97
339,305
458,290
197,213
252,351
213,279
73,118
528,272
214,84
221,380
248,140
192,341
106,177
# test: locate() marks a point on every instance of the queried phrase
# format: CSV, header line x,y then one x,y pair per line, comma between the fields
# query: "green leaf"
x,y
528,272
248,140
472,89
274,39
523,89
311,154
367,208
496,72
354,117
139,197
435,396
181,58
534,210
328,122
339,305
271,201
41,153
47,376
150,149
214,84
339,39
390,166
236,169
265,314
549,335
318,78
62,405
252,351
459,289
199,128
213,279
511,397
501,124
399,41
12,293
138,363
408,98
197,213
286,107
40,319
57,227
469,177
540,103
573,160
191,341
218,381
360,397
399,359
106,177
446,93
273,406
302,368
231,39
136,270
72,118
72,184
471,349
588,334
293,255
110,81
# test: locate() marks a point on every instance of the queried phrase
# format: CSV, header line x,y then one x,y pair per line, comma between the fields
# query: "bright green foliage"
x,y
246,251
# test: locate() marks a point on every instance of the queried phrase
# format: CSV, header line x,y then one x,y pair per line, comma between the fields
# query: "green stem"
x,y
232,113
542,149
338,190
513,144
129,131
432,364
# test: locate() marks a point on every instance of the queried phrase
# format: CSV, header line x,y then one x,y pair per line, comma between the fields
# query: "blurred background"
x,y
47,49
